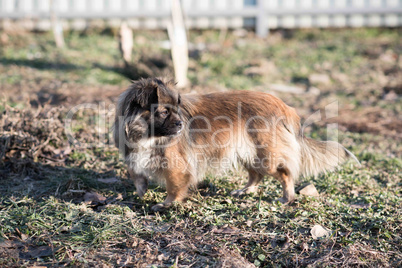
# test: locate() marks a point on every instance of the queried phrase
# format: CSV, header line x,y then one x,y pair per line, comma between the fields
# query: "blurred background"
x,y
59,54
305,51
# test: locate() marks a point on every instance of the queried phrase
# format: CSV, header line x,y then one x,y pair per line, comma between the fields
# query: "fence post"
x,y
126,42
57,26
261,20
178,41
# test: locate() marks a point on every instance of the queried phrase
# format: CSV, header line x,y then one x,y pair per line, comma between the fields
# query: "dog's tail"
x,y
319,156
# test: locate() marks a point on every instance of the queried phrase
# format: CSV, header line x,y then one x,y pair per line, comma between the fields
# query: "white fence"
x,y
203,14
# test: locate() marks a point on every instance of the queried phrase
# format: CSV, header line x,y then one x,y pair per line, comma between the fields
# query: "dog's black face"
x,y
150,108
165,119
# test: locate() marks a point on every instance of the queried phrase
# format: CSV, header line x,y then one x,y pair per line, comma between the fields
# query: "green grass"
x,y
260,224
50,218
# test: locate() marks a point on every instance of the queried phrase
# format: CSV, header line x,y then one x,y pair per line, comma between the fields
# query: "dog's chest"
x,y
145,159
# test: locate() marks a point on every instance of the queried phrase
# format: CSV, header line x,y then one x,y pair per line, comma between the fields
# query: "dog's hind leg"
x,y
254,179
288,187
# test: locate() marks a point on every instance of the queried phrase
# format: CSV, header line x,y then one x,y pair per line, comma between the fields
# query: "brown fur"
x,y
252,129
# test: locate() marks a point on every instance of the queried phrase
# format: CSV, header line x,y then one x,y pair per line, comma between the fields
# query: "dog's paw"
x,y
141,191
244,191
160,207
238,193
141,187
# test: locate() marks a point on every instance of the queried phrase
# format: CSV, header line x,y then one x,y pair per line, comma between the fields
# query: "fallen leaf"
x,y
93,197
242,205
61,153
24,237
365,206
228,201
304,246
226,230
65,229
161,257
319,231
114,198
309,190
355,192
390,96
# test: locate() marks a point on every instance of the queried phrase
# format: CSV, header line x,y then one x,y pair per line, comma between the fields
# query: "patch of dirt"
x,y
371,120
61,94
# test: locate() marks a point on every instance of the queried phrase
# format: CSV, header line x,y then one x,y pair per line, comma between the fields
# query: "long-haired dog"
x,y
178,138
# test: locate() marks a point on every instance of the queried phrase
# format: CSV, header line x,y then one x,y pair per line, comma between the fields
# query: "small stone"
x,y
309,190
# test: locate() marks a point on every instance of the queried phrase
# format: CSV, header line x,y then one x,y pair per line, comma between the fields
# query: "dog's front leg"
x,y
140,182
177,186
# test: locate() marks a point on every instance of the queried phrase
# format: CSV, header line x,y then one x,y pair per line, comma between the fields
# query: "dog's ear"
x,y
128,131
151,91
135,130
145,93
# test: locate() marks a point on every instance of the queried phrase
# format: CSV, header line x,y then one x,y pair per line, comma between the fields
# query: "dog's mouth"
x,y
178,132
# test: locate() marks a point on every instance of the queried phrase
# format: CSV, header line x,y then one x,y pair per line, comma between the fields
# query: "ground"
x,y
68,202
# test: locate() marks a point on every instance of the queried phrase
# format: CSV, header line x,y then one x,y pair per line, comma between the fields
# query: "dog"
x,y
177,138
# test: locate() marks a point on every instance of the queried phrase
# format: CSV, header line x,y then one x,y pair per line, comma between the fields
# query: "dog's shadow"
x,y
210,188
24,178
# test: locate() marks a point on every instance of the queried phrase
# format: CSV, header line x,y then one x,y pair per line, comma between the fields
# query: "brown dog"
x,y
178,138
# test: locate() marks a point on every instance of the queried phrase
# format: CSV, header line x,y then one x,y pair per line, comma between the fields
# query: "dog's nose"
x,y
179,123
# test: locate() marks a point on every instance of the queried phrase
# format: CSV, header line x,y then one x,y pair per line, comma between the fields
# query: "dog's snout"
x,y
179,123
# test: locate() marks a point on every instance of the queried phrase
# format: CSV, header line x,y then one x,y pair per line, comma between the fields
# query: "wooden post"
x,y
126,42
178,41
261,22
57,26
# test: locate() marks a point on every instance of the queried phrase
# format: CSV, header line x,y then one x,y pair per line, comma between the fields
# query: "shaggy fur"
x,y
178,138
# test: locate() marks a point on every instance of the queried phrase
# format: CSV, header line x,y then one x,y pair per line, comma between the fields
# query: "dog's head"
x,y
148,108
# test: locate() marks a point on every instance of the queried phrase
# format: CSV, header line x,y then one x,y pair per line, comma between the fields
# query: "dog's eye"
x,y
164,113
